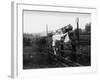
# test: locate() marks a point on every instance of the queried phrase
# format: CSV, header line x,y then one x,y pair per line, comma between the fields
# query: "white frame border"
x,y
17,30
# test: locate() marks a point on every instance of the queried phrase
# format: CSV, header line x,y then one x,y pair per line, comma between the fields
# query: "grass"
x,y
36,54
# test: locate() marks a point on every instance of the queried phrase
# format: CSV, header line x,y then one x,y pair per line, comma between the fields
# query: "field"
x,y
38,53
37,56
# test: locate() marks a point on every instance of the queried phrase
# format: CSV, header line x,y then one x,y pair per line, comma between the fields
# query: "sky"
x,y
36,21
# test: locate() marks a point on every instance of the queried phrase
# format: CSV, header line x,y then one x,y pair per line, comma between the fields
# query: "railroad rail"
x,y
65,61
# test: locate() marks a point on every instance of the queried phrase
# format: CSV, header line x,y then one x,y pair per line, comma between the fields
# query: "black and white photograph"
x,y
54,39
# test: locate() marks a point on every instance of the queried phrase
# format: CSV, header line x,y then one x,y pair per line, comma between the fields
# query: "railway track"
x,y
65,61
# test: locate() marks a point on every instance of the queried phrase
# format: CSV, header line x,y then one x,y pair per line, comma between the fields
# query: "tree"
x,y
80,31
88,27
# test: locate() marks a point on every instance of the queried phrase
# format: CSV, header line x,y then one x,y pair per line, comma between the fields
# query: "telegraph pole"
x,y
47,38
77,21
48,52
77,34
47,29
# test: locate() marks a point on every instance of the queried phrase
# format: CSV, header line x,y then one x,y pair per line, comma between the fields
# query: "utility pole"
x,y
47,29
47,38
78,43
48,52
77,21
